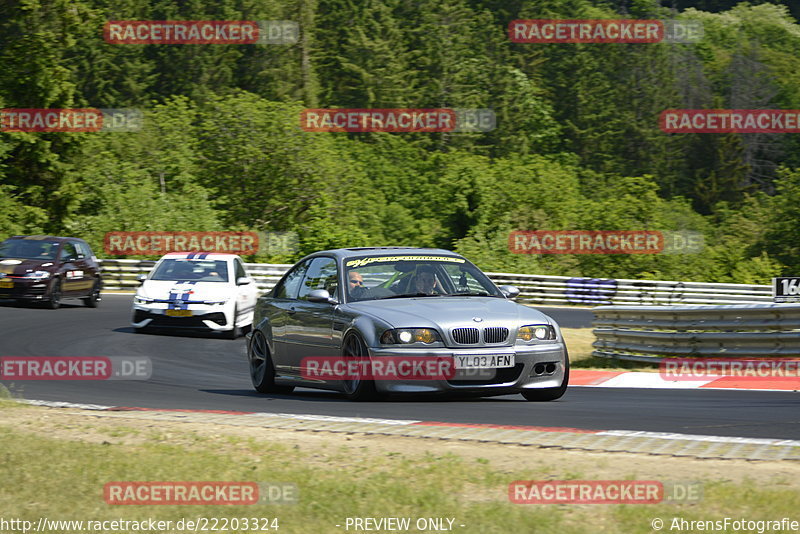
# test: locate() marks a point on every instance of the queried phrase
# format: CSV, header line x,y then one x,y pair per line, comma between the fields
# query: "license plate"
x,y
6,284
179,313
483,361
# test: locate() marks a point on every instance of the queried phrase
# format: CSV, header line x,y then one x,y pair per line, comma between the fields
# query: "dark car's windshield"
x,y
384,277
28,249
183,270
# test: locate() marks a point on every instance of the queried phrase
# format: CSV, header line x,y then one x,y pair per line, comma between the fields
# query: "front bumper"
x,y
24,288
203,317
528,361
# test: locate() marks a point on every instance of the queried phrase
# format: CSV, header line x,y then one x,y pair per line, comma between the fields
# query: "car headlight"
x,y
533,332
142,300
405,336
215,302
37,275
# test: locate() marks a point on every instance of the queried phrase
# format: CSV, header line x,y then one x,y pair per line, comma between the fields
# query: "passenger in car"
x,y
184,271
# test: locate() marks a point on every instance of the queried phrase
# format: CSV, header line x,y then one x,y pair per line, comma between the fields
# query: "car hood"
x,y
21,266
448,312
164,289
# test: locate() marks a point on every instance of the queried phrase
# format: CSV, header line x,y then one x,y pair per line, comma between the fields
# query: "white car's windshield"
x,y
383,277
191,270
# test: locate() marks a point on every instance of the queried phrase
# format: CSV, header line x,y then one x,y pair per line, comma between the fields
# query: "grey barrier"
x,y
651,333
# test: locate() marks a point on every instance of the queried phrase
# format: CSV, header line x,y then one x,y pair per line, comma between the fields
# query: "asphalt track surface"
x,y
194,371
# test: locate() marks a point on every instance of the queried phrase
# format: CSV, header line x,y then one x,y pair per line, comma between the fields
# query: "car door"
x,y
87,264
73,271
281,306
309,332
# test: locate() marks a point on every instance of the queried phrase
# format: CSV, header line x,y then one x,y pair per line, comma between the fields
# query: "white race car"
x,y
197,290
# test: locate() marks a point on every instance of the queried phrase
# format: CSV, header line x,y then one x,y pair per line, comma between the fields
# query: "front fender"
x,y
369,328
265,327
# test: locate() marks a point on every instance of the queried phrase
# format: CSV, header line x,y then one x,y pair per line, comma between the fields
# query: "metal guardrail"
x,y
651,333
534,289
546,289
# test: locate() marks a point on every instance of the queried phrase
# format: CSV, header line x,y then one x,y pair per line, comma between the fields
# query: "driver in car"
x,y
355,284
425,281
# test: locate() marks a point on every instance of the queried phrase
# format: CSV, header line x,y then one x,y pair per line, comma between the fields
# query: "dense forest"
x,y
577,143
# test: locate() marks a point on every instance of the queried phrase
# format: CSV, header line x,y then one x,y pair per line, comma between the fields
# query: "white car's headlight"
x,y
536,332
142,300
37,275
216,302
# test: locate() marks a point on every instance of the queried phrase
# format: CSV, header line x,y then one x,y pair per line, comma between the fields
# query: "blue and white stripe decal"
x,y
180,293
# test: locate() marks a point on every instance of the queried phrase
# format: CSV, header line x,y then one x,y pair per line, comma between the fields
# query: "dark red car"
x,y
48,269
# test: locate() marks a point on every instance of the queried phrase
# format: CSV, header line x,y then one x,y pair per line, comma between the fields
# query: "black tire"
x,y
262,370
94,298
549,394
55,295
359,389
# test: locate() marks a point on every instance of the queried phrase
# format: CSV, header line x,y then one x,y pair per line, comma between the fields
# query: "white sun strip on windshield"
x,y
361,262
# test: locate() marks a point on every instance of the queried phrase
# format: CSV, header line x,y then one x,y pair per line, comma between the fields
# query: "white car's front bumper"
x,y
216,317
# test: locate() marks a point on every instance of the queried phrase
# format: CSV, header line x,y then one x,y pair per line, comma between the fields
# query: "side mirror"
x,y
243,281
321,295
509,292
141,278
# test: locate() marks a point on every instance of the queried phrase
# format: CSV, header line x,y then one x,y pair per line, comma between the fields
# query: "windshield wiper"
x,y
470,294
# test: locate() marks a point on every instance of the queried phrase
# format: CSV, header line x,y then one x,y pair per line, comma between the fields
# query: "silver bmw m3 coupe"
x,y
372,321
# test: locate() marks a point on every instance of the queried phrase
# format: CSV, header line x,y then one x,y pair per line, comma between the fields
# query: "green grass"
x,y
63,479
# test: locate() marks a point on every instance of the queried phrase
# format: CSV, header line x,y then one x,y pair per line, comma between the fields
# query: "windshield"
x,y
384,277
184,270
28,249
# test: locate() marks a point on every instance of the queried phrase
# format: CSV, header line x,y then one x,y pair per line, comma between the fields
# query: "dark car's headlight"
x,y
37,275
536,332
405,336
